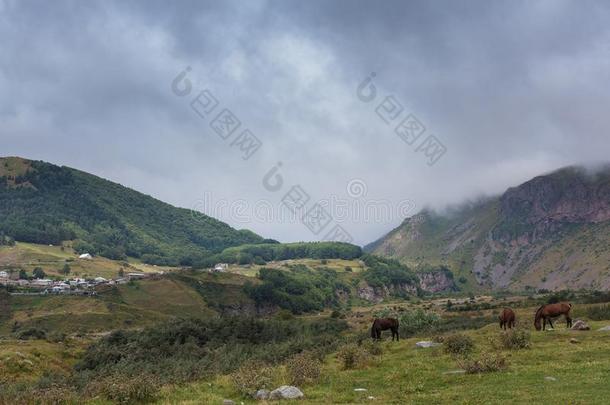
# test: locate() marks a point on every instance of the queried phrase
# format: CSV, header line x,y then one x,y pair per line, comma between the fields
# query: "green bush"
x,y
124,389
56,337
31,333
514,339
412,322
374,348
458,344
486,363
352,356
304,368
252,377
600,313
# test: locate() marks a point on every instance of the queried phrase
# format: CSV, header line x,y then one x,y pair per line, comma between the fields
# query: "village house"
x,y
220,267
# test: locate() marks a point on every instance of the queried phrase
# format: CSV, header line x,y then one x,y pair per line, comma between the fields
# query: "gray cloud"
x,y
512,88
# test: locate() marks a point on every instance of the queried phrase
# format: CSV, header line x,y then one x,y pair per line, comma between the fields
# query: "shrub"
x,y
124,389
56,337
486,363
31,333
251,377
372,347
304,368
600,313
515,339
458,344
352,356
419,320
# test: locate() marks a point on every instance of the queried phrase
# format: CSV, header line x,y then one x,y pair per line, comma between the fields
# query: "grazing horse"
x,y
383,324
549,311
507,318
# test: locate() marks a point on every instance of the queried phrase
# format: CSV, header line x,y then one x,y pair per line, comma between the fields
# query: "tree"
x,y
66,269
39,273
23,275
121,272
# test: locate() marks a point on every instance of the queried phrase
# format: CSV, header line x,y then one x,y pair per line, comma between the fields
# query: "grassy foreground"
x,y
552,371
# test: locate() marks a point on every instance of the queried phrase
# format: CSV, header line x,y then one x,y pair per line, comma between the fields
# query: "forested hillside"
x,y
47,204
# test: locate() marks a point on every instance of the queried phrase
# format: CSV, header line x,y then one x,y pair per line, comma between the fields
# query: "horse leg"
x,y
551,323
568,322
543,323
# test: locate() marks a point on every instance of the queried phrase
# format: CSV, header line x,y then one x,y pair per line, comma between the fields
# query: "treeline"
x,y
267,252
384,272
51,204
297,289
300,289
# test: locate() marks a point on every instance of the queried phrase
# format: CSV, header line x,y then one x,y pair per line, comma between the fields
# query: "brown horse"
x,y
507,318
549,311
384,324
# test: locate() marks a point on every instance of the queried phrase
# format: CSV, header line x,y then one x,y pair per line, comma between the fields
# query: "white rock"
x,y
550,378
286,392
360,389
426,344
605,328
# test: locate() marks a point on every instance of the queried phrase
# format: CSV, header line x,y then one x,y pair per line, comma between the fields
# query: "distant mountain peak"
x,y
550,232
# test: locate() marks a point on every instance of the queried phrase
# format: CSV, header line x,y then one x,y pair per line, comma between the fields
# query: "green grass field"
x,y
404,374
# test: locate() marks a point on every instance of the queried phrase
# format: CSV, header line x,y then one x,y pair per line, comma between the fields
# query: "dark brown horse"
x,y
384,324
550,311
507,319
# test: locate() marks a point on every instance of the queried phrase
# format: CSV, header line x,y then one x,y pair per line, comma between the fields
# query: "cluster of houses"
x,y
77,286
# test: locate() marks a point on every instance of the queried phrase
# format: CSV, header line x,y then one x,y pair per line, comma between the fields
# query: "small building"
x,y
221,267
100,280
135,276
40,283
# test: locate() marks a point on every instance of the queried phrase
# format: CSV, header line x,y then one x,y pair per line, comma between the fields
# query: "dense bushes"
x,y
598,313
386,272
183,350
298,290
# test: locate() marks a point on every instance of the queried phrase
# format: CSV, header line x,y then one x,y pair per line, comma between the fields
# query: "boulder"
x,y
261,394
286,392
228,402
580,325
605,329
426,343
573,340
360,389
548,378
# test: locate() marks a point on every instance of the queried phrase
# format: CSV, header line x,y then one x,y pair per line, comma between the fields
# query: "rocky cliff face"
x,y
430,281
551,232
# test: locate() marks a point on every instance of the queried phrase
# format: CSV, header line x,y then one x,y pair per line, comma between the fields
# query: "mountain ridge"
x,y
45,203
548,232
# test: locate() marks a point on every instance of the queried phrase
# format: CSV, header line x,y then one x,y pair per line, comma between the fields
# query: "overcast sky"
x,y
511,89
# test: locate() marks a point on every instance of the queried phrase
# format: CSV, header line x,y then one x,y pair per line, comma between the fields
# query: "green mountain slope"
x,y
44,203
551,232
